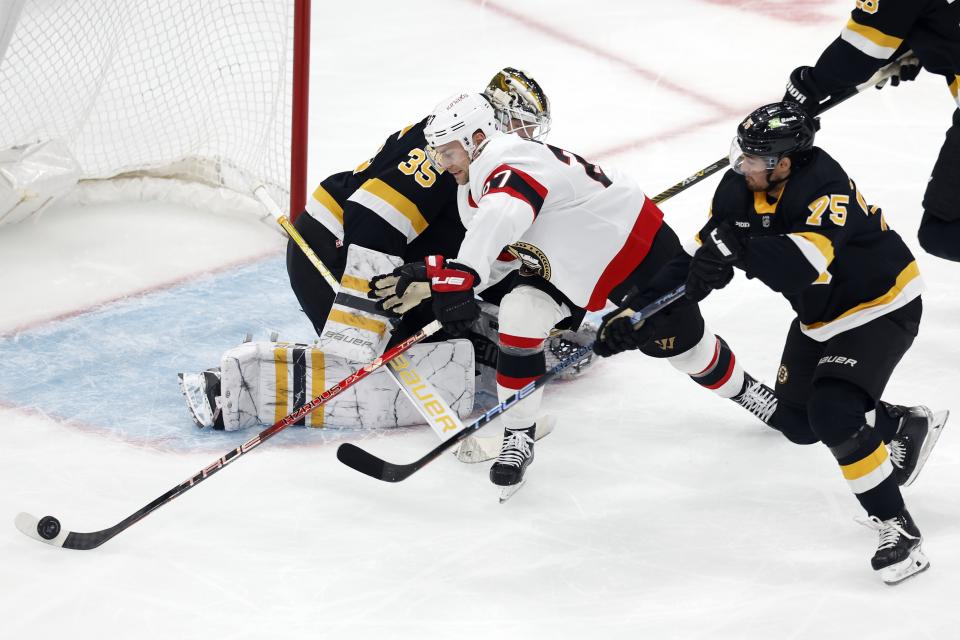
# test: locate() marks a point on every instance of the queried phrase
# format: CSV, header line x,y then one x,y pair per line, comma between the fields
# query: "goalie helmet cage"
x,y
212,92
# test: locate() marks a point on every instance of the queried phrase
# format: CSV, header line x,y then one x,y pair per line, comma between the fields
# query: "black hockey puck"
x,y
48,527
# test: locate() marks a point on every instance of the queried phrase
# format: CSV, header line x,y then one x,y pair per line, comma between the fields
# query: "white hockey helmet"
x,y
520,102
457,118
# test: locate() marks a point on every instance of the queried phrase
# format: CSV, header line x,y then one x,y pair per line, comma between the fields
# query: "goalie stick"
x,y
876,80
49,531
369,464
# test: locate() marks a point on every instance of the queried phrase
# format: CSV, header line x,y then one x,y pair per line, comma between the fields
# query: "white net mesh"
x,y
191,89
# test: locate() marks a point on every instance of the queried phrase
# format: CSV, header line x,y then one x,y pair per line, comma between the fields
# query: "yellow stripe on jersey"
x,y
317,382
762,205
869,471
955,89
873,42
404,130
822,244
355,283
360,322
282,369
323,196
909,275
394,207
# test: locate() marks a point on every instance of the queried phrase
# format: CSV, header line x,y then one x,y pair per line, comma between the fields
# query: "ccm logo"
x,y
454,281
838,360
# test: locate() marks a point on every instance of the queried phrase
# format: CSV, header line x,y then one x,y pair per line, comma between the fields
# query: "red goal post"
x,y
211,92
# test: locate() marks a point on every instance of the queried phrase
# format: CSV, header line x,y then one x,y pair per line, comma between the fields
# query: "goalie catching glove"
x,y
450,284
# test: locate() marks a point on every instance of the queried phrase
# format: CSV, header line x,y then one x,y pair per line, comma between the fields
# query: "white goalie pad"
x,y
355,329
262,382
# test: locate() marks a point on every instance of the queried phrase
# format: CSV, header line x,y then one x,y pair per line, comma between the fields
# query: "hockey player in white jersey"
x,y
584,236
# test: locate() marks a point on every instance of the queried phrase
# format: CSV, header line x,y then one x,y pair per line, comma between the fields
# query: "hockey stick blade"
x,y
365,462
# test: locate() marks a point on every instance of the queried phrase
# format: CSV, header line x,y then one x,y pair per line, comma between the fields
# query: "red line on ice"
x,y
161,286
792,11
572,40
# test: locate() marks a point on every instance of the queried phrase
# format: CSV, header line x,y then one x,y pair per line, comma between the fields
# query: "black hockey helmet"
x,y
772,132
780,129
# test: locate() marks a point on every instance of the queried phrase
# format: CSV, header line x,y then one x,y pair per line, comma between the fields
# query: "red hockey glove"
x,y
454,302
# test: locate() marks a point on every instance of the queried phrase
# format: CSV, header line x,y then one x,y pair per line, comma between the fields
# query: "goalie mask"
x,y
521,105
456,119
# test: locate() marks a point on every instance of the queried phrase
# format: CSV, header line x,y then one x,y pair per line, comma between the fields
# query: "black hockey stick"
x,y
47,529
878,78
369,464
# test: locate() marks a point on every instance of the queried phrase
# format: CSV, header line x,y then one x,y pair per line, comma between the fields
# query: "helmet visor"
x,y
742,162
446,155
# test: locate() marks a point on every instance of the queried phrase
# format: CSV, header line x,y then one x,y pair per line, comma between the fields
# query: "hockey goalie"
x,y
259,383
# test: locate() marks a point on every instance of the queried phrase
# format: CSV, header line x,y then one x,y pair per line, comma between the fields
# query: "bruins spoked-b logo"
x,y
782,374
535,262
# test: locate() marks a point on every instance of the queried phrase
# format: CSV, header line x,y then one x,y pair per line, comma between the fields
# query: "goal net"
x,y
201,92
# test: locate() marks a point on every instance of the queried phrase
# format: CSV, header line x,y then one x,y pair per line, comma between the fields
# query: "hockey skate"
x,y
516,454
917,433
898,554
475,449
757,398
202,393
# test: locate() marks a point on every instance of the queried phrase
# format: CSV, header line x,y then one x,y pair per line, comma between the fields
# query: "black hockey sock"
x,y
836,410
867,468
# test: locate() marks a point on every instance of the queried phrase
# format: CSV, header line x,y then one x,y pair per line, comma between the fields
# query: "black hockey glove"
x,y
454,302
400,290
618,334
712,265
907,71
804,90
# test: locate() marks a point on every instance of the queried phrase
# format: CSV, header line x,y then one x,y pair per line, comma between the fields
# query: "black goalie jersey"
x,y
821,245
879,29
396,202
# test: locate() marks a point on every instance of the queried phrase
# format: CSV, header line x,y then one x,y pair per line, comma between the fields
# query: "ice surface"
x,y
654,511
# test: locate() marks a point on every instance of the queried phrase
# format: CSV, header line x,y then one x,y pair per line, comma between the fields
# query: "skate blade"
x,y
937,422
897,573
509,492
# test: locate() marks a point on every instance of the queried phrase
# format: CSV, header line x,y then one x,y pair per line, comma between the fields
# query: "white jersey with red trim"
x,y
506,263
578,227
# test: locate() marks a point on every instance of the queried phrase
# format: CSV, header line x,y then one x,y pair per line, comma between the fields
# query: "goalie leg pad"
x,y
356,329
262,382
